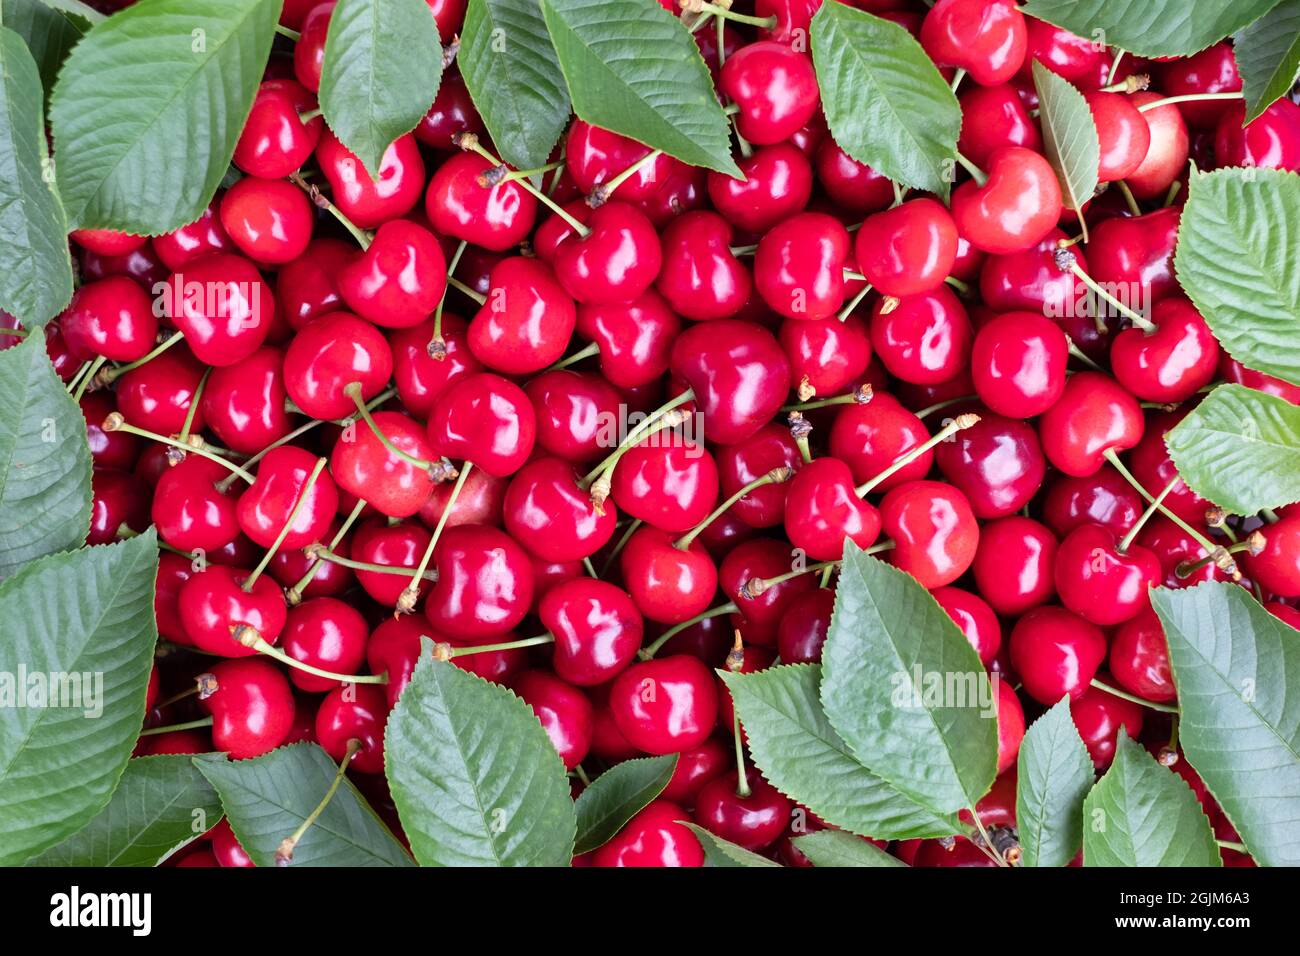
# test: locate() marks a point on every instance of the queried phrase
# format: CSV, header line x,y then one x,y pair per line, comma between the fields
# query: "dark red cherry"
x,y
695,768
251,707
213,604
486,420
762,558
1139,658
112,317
992,117
871,437
279,490
1213,70
683,191
597,630
850,184
1018,362
1101,582
1094,415
700,278
226,850
654,837
1014,564
799,266
393,648
400,545
934,532
775,87
997,464
1271,141
191,514
668,584
367,200
616,261
1123,132
325,633
974,617
354,712
1166,157
275,141
494,217
1174,547
752,458
1234,371
1056,653
422,379
1277,568
924,338
577,414
118,499
666,481
400,277
270,220
777,185
328,355
143,266
908,249
452,113
484,586
987,38
224,307
738,372
830,356
550,514
635,338
308,286
594,156
113,449
244,404
804,626
481,501
1172,362
1103,498
527,320
1011,725
1134,258
823,509
665,705
1018,205
564,711
364,467
754,821
1098,716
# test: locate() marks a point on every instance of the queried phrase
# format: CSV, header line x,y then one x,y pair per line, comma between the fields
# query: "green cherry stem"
x,y
976,173
115,422
90,375
319,200
1189,98
853,303
1129,199
188,725
586,352
467,291
1253,545
411,593
437,347
639,431
293,516
1114,691
1111,456
632,527
322,553
249,637
284,852
284,31
443,651
601,194
859,396
437,470
294,594
469,142
1067,261
517,174
188,424
1156,503
108,376
724,12
949,403
1082,356
755,587
960,423
649,651
774,477
800,429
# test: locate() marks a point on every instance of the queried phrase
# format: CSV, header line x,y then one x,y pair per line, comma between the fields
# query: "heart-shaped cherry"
x,y
112,317
823,509
484,586
654,837
829,356
1018,362
486,420
1170,362
799,266
1014,564
224,307
634,339
934,531
400,277
550,514
616,260
364,466
775,87
777,185
668,584
1056,653
1014,208
527,320
496,216
325,633
752,458
597,630
997,464
924,339
870,437
666,481
564,711
700,277
281,490
987,38
1093,417
665,705
191,510
367,201
251,706
329,354
908,249
354,712
992,117
214,603
738,374
387,545
754,820
976,620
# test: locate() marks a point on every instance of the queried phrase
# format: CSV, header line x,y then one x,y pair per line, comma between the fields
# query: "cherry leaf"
x,y
1053,775
1151,27
616,796
1069,136
827,848
1268,56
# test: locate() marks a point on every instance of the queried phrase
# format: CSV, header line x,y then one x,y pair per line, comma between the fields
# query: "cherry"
x,y
823,509
871,437
325,633
684,190
997,464
367,201
354,712
1166,158
615,261
1017,206
665,705
1102,580
1030,281
597,630
668,584
143,266
486,420
594,156
118,498
280,489
799,266
924,339
1277,568
1234,371
270,220
224,307
309,51
738,373
695,768
1213,70
251,707
960,853
1270,141
1172,361
1018,362
666,481
992,117
226,849
1173,548
1134,258
214,603
393,648
484,586
654,837
244,404
452,113
308,286
775,87
752,660
1284,613
191,513
1139,658
328,579
1094,416
1014,564
275,141
933,529
327,355
751,458
760,611
157,396
830,356
564,711
392,546
850,184
363,466
908,249
481,501
205,236
495,217
635,339
777,185
400,277
1011,725
1098,716
988,38
1123,133
1056,653
111,449
422,379
1077,59
973,617
804,626
754,820
549,513
527,321
111,317
575,412
107,242
700,278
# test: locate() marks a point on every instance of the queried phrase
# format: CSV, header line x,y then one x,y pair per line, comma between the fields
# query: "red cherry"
x,y
804,626
308,286
1170,363
527,321
550,514
908,249
393,648
1166,157
325,633
799,266
974,617
484,586
654,837
1101,582
108,242
400,545
191,514
1011,725
760,616
695,768
700,278
422,379
597,630
115,449
635,338
275,141
226,850
831,356
1094,415
1284,613
452,113
117,498
668,482
481,501
363,467
668,584
564,711
992,117
1103,498
1139,658
850,184
777,185
1018,362
934,531
1213,70
224,307
594,156
747,460
1077,59
486,420
1173,547
326,356
775,87
270,220
1014,565
1271,141
244,404
367,201
251,707
997,464
1134,258
494,217
214,603
1098,716
1277,568
354,712
1123,133
309,51
1234,371
1056,653
200,238
399,279
265,507
755,820
665,705
575,412
143,266
871,437
924,339
112,317
738,372
1015,209
616,261
988,38
823,509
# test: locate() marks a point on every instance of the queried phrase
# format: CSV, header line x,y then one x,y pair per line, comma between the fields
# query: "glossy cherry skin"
x,y
925,339
695,768
997,463
1076,58
484,586
1098,581
1056,653
494,217
309,51
108,242
667,584
1172,363
280,489
308,286
369,201
214,603
616,261
481,501
452,112
244,404
116,449
1134,258
594,156
270,220
399,279
1018,362
1166,157
1213,70
1094,415
654,837
422,379
871,437
392,649
354,712
251,708
1011,724
576,414
325,633
1014,565
832,356
143,266
995,116
597,630
1271,141
274,141
527,321
226,850
363,467
1277,568
191,514
635,338
760,616
1123,132
1030,281
665,705
564,711
1234,371
799,266
117,498
804,626
486,420
754,821
666,481
850,184
328,355
738,372
1098,716
823,509
1139,659
1015,209
777,185
739,464
775,87
112,317
700,277
987,38
224,307
200,238
933,529
973,616
400,545
907,249
552,516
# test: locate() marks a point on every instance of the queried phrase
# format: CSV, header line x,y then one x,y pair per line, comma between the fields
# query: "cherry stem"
x,y
1253,545
1081,355
175,698
1163,708
1269,515
1135,83
1111,456
437,347
635,435
774,477
845,312
755,587
1189,98
14,333
1129,199
470,143
108,376
618,548
90,375
517,174
248,637
284,31
957,78
465,290
586,352
323,553
704,18
742,779
649,651
1068,262
411,593
116,423
602,193
826,577
307,116
724,12
800,429
743,250
1174,189
321,202
948,403
188,725
590,568
1127,540
859,396
855,276
437,471
444,651
1232,845
722,41
976,173
284,852
959,423
194,406
984,835
1114,67
293,516
294,594
963,288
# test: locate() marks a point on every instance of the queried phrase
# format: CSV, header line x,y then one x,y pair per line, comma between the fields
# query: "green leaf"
x,y
35,271
474,776
905,689
631,67
514,79
1151,27
616,796
1069,136
44,459
79,633
1240,448
886,103
1143,814
48,33
267,798
149,106
1268,56
801,755
836,848
1237,668
382,67
161,804
720,852
1054,774
1236,244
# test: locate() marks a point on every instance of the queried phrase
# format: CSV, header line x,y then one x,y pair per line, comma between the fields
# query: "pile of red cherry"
x,y
385,390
